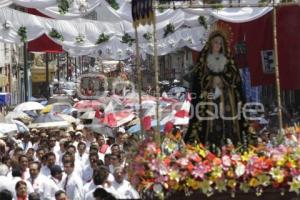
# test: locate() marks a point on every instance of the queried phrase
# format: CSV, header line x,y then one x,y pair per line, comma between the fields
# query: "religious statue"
x,y
218,99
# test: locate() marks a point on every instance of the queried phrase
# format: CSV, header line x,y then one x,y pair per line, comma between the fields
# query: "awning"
x,y
4,99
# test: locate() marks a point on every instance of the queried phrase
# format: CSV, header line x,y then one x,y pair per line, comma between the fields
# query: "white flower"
x,y
157,188
240,169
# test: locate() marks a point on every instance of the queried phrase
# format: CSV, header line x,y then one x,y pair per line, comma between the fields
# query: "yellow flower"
x,y
216,173
174,175
277,174
253,182
231,183
247,155
264,180
294,186
193,183
221,185
205,186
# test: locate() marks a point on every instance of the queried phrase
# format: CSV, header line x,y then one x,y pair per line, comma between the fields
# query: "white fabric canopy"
x,y
115,23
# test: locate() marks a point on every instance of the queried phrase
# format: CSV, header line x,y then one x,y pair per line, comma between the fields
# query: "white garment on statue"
x,y
125,190
74,186
53,185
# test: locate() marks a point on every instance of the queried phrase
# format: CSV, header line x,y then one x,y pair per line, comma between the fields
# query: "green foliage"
x,y
202,21
127,39
22,32
169,29
63,6
55,34
102,38
148,36
113,4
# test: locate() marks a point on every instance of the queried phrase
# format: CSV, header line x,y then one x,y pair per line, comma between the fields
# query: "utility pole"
x,y
25,71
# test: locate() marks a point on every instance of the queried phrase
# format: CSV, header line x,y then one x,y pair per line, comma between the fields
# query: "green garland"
x,y
127,39
80,39
169,29
22,32
202,21
102,38
148,36
55,34
63,6
113,4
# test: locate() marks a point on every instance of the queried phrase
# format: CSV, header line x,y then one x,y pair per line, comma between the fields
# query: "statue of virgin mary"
x,y
218,98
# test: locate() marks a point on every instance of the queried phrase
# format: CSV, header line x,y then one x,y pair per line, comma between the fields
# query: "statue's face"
x,y
216,45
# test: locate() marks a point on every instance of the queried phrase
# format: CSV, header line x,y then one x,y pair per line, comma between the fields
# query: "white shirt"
x,y
87,174
111,190
52,186
25,146
88,187
125,190
5,182
45,171
83,160
74,186
12,184
38,184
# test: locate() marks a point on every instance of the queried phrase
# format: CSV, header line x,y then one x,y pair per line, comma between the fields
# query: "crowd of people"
x,y
72,164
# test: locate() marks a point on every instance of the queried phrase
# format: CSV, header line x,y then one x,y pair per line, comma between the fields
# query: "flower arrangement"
x,y
22,32
80,39
55,34
169,29
196,169
127,39
202,21
113,4
63,6
6,25
102,38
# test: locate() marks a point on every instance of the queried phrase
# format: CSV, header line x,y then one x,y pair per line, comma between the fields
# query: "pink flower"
x,y
226,161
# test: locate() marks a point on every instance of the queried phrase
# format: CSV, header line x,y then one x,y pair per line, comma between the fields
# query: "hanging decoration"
x,y
113,4
22,32
102,38
55,34
148,36
80,39
63,6
142,12
6,25
127,39
169,29
202,21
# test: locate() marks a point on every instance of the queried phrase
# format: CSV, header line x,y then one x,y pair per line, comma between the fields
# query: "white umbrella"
x,y
30,105
88,115
49,121
18,115
68,118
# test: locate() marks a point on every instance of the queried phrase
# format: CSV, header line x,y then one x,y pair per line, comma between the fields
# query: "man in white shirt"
x,y
36,179
100,180
72,183
3,177
122,186
51,158
25,144
81,156
23,162
53,183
